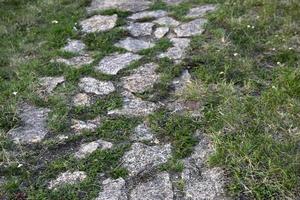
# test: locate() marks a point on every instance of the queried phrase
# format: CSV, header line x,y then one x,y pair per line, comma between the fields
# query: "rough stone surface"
x,y
134,106
142,157
201,11
167,21
67,178
76,62
48,84
195,27
114,63
88,148
148,14
134,45
74,46
126,5
90,125
142,133
142,78
81,99
34,125
113,190
140,29
160,187
178,51
160,32
91,85
98,23
173,2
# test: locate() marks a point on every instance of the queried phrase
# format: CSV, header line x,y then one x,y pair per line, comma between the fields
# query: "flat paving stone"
x,y
134,45
148,14
140,29
113,190
192,28
134,106
114,63
167,21
81,99
160,32
74,46
160,187
34,125
76,62
67,178
48,84
99,23
94,86
88,148
125,5
90,125
178,51
142,78
142,157
201,11
142,133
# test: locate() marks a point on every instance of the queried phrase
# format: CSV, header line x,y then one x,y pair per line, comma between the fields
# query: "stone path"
x,y
147,152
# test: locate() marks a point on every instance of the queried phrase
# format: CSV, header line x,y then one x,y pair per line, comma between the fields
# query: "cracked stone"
x,y
134,45
48,84
148,14
76,62
140,29
114,63
142,133
74,46
160,187
98,23
81,99
34,125
94,86
142,78
134,106
160,32
90,125
142,157
88,148
113,190
67,178
167,21
192,28
126,5
178,51
201,11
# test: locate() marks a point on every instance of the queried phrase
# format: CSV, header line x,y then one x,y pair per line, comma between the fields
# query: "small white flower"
x,y
253,27
20,165
248,26
54,22
15,93
235,54
290,48
278,63
74,28
221,73
273,49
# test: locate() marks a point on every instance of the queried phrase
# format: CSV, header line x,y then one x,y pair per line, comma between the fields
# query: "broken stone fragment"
x,y
90,125
88,148
98,23
34,125
142,157
125,5
92,85
142,78
159,187
74,46
48,84
113,190
167,21
75,62
67,178
192,28
148,14
114,63
81,99
179,49
140,29
160,32
134,106
142,133
201,11
134,45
